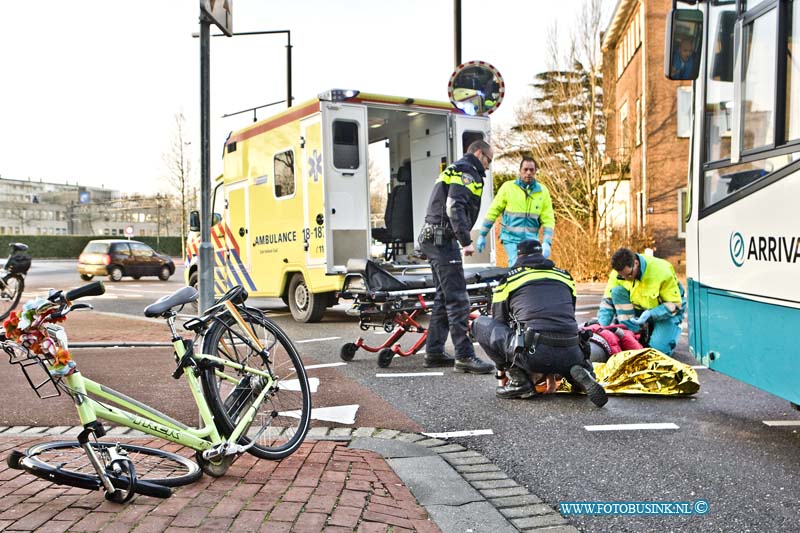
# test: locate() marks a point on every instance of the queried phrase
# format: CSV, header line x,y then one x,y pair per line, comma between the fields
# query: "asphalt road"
x,y
720,451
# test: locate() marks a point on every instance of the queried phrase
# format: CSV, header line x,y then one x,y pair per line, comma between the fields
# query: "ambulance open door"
x,y
346,191
464,131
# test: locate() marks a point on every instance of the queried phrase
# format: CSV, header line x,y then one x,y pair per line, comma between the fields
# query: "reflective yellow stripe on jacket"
x,y
518,279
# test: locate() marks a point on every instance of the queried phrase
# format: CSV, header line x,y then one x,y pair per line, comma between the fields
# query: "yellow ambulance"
x,y
296,196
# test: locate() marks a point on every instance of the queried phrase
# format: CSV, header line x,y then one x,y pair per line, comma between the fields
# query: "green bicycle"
x,y
249,385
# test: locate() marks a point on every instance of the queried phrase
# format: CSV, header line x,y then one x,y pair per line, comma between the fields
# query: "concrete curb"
x,y
461,489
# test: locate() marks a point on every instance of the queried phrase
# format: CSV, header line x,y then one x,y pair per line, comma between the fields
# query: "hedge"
x,y
71,246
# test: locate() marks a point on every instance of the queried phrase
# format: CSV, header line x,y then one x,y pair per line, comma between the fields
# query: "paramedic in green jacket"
x,y
642,288
526,206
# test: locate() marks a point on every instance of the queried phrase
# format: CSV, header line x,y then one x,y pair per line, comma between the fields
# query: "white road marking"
x,y
628,427
316,340
700,367
582,313
294,384
469,433
409,374
325,365
342,414
775,423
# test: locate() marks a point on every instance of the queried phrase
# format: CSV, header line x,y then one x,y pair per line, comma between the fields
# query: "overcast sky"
x,y
89,89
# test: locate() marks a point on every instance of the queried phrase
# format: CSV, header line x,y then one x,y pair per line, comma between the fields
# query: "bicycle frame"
x,y
136,415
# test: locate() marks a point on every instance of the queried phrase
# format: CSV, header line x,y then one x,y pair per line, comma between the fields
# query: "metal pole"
x,y
206,251
457,30
288,69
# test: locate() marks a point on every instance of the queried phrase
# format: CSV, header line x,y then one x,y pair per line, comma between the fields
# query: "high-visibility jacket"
x,y
525,209
456,197
657,289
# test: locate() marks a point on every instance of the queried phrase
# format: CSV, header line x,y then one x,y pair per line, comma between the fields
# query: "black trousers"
x,y
497,339
451,304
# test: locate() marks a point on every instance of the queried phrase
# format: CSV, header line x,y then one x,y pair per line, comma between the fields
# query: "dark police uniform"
x,y
542,298
452,212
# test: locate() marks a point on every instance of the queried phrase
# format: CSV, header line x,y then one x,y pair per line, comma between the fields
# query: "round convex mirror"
x,y
476,87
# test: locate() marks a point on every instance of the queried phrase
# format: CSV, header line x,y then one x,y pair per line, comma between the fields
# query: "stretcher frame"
x,y
396,305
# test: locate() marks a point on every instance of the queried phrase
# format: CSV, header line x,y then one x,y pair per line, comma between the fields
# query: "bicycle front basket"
x,y
34,368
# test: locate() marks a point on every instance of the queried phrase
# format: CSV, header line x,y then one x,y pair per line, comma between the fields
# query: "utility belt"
x,y
436,234
528,339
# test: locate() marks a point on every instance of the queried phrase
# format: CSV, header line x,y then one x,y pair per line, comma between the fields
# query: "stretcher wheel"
x,y
385,357
348,351
388,327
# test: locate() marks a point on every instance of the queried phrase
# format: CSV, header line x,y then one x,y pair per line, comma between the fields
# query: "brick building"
x,y
648,126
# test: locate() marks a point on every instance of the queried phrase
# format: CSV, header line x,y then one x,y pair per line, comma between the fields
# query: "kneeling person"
x,y
541,299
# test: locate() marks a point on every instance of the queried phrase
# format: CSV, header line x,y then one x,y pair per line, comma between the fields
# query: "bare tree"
x,y
177,161
564,128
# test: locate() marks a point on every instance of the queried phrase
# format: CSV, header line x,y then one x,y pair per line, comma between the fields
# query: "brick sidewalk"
x,y
324,486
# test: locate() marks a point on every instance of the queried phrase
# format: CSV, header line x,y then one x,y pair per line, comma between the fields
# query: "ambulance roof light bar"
x,y
338,95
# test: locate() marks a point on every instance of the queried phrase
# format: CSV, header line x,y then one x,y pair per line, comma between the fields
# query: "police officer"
x,y
644,289
539,301
526,206
452,212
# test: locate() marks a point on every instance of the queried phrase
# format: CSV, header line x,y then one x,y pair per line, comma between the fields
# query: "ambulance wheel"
x,y
348,351
385,357
304,304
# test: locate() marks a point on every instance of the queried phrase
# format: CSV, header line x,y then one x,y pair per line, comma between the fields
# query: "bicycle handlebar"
x,y
92,289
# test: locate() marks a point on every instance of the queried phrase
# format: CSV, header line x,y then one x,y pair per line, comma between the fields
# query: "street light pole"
x,y
206,251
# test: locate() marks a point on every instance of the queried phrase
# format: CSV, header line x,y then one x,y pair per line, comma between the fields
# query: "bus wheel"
x,y
304,304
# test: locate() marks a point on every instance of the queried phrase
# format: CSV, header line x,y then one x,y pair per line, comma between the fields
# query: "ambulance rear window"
x,y
345,144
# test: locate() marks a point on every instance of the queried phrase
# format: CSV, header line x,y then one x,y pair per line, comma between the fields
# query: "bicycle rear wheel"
x,y
66,463
284,416
11,287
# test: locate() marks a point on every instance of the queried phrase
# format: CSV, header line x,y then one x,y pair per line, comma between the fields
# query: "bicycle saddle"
x,y
165,303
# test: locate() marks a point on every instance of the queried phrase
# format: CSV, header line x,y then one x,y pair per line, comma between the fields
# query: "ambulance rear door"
x,y
346,216
464,130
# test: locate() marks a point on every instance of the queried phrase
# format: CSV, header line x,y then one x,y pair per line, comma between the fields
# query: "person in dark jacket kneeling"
x,y
533,327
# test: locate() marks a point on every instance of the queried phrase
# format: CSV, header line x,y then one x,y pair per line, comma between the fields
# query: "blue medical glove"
x,y
480,244
546,249
641,319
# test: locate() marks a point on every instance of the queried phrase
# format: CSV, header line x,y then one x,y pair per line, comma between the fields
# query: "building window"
x,y
683,210
284,174
624,132
638,135
630,42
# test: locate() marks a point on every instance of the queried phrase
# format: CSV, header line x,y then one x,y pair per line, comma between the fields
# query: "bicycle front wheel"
x,y
282,419
11,287
67,463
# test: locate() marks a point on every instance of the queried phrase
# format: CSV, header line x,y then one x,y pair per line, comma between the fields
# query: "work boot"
x,y
519,385
438,359
473,365
593,389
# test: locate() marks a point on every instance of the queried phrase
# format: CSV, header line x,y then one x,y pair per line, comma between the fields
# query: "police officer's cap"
x,y
529,247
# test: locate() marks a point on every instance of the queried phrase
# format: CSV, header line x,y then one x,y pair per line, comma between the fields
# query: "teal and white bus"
x,y
743,207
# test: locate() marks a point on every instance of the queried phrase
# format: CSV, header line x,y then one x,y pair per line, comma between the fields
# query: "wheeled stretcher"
x,y
395,300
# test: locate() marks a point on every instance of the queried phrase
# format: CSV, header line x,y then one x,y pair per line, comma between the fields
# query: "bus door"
x,y
464,131
346,215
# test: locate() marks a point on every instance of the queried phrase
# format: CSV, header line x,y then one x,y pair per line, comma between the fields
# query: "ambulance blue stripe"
x,y
232,270
220,260
243,270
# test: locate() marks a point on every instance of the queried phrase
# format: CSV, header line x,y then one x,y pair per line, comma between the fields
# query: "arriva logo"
x,y
737,248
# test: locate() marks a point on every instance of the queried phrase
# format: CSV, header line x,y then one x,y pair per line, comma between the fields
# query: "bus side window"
x,y
722,54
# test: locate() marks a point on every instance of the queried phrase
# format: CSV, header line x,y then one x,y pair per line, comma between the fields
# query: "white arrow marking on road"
x,y
409,374
316,340
294,384
628,427
782,422
324,365
469,433
342,414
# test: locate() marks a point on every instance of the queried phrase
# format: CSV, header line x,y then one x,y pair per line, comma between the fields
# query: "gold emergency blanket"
x,y
645,371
